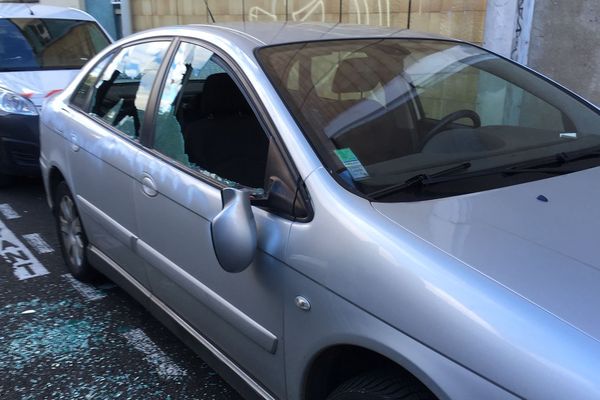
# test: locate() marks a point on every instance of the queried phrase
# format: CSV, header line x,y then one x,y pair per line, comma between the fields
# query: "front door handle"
x,y
148,186
74,142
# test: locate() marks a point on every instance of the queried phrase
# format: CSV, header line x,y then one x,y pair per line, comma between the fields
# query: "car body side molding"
x,y
221,307
227,311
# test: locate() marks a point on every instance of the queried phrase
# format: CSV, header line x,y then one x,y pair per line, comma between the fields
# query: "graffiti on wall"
x,y
522,35
314,10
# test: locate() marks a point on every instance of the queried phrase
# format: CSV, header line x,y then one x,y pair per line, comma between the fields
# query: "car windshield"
x,y
36,44
406,119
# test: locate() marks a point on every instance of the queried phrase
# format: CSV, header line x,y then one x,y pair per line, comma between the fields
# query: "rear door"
x,y
106,121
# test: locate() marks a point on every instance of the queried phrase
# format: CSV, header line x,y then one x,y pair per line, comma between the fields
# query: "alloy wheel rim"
x,y
71,231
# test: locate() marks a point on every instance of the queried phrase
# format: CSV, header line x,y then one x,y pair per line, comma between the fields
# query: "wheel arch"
x,y
335,364
55,176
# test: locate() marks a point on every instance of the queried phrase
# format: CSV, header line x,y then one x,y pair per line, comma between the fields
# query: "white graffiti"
x,y
256,13
362,12
314,10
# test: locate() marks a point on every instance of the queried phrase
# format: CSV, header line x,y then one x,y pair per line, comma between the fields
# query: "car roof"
x,y
247,36
28,10
270,33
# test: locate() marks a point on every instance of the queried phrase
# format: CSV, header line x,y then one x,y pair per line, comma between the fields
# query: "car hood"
x,y
37,85
538,239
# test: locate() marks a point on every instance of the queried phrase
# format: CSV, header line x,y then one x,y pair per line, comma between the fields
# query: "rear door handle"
x,y
148,186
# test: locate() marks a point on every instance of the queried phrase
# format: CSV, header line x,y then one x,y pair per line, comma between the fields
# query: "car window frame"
x,y
253,99
159,76
86,104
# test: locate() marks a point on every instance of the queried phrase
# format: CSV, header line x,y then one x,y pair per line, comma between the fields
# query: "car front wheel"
x,y
382,385
72,238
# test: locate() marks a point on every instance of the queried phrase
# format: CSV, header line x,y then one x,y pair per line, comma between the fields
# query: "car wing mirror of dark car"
x,y
234,232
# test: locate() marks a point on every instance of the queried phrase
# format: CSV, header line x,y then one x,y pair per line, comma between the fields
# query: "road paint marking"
x,y
17,255
165,367
38,243
87,291
8,211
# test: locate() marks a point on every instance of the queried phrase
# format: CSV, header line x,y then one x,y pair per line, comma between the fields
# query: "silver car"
x,y
339,212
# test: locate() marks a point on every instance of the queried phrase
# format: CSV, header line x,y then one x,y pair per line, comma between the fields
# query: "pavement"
x,y
62,339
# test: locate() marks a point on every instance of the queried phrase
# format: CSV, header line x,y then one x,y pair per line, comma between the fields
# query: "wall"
x,y
564,44
463,19
64,3
103,11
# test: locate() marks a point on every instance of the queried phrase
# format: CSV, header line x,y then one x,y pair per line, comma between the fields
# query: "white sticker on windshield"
x,y
352,164
568,135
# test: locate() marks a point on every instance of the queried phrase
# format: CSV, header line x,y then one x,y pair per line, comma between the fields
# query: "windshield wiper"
x,y
419,180
558,159
540,166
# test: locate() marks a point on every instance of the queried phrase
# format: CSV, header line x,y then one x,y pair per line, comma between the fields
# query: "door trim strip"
x,y
220,306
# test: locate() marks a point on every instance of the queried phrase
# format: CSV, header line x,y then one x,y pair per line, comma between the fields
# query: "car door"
x,y
206,137
105,122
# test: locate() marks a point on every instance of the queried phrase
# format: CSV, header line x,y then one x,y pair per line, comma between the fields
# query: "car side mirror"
x,y
281,195
234,231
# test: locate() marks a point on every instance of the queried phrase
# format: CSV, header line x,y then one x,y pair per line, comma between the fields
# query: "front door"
x,y
206,137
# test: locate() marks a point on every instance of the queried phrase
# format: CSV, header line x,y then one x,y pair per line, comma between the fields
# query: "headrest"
x,y
222,96
355,75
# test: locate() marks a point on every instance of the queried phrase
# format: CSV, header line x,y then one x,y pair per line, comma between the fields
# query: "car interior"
x,y
210,126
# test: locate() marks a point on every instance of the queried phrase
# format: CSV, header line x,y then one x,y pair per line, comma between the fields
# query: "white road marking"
x,y
17,255
166,368
8,211
38,243
87,291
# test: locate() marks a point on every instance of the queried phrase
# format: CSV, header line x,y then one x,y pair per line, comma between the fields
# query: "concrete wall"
x,y
565,44
65,3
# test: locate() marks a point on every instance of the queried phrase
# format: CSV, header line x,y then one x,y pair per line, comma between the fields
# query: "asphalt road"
x,y
60,339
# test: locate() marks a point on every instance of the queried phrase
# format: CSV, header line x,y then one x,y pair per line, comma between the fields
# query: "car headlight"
x,y
12,103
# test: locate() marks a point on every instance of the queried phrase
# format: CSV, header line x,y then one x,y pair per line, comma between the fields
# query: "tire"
x,y
6,180
71,235
382,385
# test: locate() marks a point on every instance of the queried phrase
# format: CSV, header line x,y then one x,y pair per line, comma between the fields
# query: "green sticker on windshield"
x,y
352,164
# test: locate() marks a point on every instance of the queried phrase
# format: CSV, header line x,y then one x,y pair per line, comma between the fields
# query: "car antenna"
x,y
30,10
209,12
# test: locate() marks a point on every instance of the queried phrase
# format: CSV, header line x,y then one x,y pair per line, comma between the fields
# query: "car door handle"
x,y
148,186
74,142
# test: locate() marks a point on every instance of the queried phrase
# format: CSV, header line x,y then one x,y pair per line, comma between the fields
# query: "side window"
x,y
204,121
120,96
80,98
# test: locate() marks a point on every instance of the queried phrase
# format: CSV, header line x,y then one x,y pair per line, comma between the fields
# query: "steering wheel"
x,y
455,116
